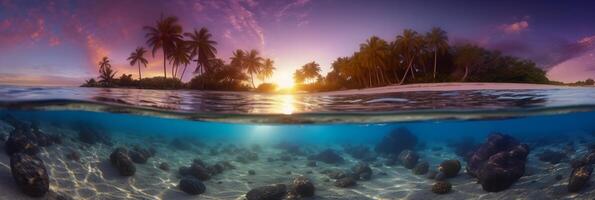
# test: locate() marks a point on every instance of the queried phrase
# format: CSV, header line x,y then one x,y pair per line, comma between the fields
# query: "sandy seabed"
x,y
93,177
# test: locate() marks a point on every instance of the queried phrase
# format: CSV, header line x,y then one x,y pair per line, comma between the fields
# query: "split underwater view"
x,y
297,100
470,144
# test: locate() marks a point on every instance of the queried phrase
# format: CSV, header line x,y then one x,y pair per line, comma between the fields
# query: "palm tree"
x,y
311,70
437,40
253,64
374,53
180,56
106,74
267,69
103,63
408,45
164,35
137,58
201,47
298,76
237,60
468,56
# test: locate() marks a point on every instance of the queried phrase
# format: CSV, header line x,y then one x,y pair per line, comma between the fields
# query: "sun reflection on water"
x,y
287,105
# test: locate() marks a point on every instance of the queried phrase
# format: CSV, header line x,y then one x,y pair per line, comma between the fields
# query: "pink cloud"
x,y
515,27
54,41
284,11
5,24
579,67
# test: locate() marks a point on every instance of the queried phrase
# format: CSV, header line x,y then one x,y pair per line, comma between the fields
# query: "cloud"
x,y
54,41
243,19
35,79
289,10
577,61
515,27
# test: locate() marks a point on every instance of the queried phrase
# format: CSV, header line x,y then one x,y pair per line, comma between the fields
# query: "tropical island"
x,y
411,57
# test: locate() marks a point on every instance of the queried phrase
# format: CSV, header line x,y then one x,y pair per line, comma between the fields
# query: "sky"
x,y
59,42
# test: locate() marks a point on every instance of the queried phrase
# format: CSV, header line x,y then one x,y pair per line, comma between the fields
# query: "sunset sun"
x,y
286,83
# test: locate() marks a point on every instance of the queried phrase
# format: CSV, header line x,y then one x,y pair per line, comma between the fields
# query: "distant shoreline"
x,y
450,86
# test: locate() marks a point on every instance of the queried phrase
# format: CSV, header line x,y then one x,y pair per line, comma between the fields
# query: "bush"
x,y
161,83
266,87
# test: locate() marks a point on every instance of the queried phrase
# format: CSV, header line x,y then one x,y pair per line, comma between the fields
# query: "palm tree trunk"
x,y
435,56
406,71
164,69
174,69
369,78
385,79
396,75
139,75
252,80
183,71
466,73
377,76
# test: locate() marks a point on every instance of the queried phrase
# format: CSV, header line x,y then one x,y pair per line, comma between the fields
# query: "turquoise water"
x,y
561,121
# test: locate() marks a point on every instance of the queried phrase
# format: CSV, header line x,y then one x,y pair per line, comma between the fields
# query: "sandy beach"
x,y
450,86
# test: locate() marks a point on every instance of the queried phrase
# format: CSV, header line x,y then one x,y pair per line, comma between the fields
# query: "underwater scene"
x,y
526,144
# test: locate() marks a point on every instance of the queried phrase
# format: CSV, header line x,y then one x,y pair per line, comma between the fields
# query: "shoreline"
x,y
449,86
415,87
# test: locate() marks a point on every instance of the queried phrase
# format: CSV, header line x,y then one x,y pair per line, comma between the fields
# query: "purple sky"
x,y
60,42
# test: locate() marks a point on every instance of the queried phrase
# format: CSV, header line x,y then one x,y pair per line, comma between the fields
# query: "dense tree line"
x,y
410,58
180,49
418,58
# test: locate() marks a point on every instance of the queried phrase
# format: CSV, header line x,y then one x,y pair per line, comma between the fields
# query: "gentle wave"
x,y
295,118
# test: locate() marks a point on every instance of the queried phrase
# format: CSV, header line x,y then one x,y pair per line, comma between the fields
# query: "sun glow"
x,y
285,82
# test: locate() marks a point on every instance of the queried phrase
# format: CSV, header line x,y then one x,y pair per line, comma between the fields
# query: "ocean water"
x,y
272,139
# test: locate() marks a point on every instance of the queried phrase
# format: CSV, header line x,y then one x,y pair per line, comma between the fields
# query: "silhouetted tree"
x,y
164,35
137,58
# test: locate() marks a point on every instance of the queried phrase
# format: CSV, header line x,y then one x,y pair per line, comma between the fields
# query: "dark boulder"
x,y
21,142
396,141
441,187
30,174
579,178
362,171
464,147
408,158
120,159
346,181
270,192
431,174
498,163
140,155
327,156
553,157
421,168
164,166
219,167
192,186
302,186
440,176
197,171
336,174
450,168
57,196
